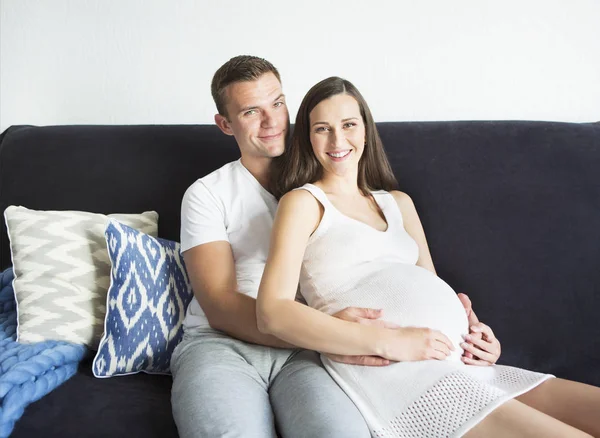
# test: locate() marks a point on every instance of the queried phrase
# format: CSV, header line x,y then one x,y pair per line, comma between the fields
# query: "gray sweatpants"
x,y
223,387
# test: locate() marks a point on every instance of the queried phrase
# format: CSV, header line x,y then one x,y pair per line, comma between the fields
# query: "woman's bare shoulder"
x,y
299,209
405,203
300,201
401,198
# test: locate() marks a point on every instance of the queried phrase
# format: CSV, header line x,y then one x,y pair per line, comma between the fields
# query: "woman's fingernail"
x,y
467,338
463,344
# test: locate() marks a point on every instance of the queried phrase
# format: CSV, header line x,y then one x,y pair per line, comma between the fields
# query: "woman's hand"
x,y
483,346
473,320
415,343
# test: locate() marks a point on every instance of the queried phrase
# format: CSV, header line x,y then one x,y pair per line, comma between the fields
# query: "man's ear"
x,y
223,124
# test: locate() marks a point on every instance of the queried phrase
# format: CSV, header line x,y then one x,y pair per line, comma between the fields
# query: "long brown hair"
x,y
298,164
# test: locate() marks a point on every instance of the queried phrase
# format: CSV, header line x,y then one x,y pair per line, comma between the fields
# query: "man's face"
x,y
257,116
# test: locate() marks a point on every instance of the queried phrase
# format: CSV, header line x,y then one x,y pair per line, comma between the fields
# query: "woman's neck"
x,y
342,185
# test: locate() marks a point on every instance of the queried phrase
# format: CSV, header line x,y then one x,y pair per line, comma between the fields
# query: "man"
x,y
230,379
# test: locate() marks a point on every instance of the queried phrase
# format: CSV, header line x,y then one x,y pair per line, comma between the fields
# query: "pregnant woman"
x,y
349,239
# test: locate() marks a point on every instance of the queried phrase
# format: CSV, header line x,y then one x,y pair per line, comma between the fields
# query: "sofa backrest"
x,y
511,210
107,169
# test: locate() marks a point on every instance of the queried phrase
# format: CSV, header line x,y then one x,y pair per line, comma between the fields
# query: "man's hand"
x,y
481,346
367,317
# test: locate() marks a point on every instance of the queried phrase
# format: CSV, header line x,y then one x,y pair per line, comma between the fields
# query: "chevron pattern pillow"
x,y
146,303
62,271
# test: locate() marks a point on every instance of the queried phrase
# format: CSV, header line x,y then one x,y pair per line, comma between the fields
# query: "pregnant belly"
x,y
410,296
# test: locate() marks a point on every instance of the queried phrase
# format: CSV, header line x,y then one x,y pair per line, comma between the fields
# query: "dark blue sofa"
x,y
511,211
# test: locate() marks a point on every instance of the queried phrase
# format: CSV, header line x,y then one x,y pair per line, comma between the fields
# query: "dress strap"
x,y
390,208
318,193
327,218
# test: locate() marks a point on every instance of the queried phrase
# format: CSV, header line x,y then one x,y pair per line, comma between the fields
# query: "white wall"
x,y
151,61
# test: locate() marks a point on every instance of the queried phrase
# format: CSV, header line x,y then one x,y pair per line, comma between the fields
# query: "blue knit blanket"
x,y
27,371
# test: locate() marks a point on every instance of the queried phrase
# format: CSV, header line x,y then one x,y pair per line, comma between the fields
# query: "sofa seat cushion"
x,y
85,406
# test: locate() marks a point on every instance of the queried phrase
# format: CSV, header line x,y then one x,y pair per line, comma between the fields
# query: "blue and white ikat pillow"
x,y
145,306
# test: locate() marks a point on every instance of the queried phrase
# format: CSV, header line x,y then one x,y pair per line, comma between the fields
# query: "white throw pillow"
x,y
62,271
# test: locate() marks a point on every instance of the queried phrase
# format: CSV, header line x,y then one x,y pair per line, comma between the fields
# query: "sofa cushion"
x,y
146,303
62,271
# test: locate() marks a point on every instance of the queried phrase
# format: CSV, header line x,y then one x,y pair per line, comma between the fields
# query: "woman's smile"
x,y
339,155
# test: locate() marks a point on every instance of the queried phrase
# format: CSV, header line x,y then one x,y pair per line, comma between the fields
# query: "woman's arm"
x,y
278,314
412,225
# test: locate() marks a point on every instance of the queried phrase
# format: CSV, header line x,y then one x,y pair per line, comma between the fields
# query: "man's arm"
x,y
212,273
211,268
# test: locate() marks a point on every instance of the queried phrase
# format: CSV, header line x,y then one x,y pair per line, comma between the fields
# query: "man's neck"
x,y
260,168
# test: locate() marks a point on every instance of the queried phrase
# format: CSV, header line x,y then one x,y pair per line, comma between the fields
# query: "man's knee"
x,y
309,403
217,393
216,404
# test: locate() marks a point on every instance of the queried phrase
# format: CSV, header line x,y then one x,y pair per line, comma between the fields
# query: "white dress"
x,y
349,263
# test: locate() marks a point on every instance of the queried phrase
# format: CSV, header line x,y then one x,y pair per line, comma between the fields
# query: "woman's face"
x,y
337,134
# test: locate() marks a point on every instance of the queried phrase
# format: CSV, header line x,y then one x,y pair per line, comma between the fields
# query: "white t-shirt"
x,y
230,205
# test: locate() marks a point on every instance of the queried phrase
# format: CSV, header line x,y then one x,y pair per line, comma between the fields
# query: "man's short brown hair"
x,y
238,69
